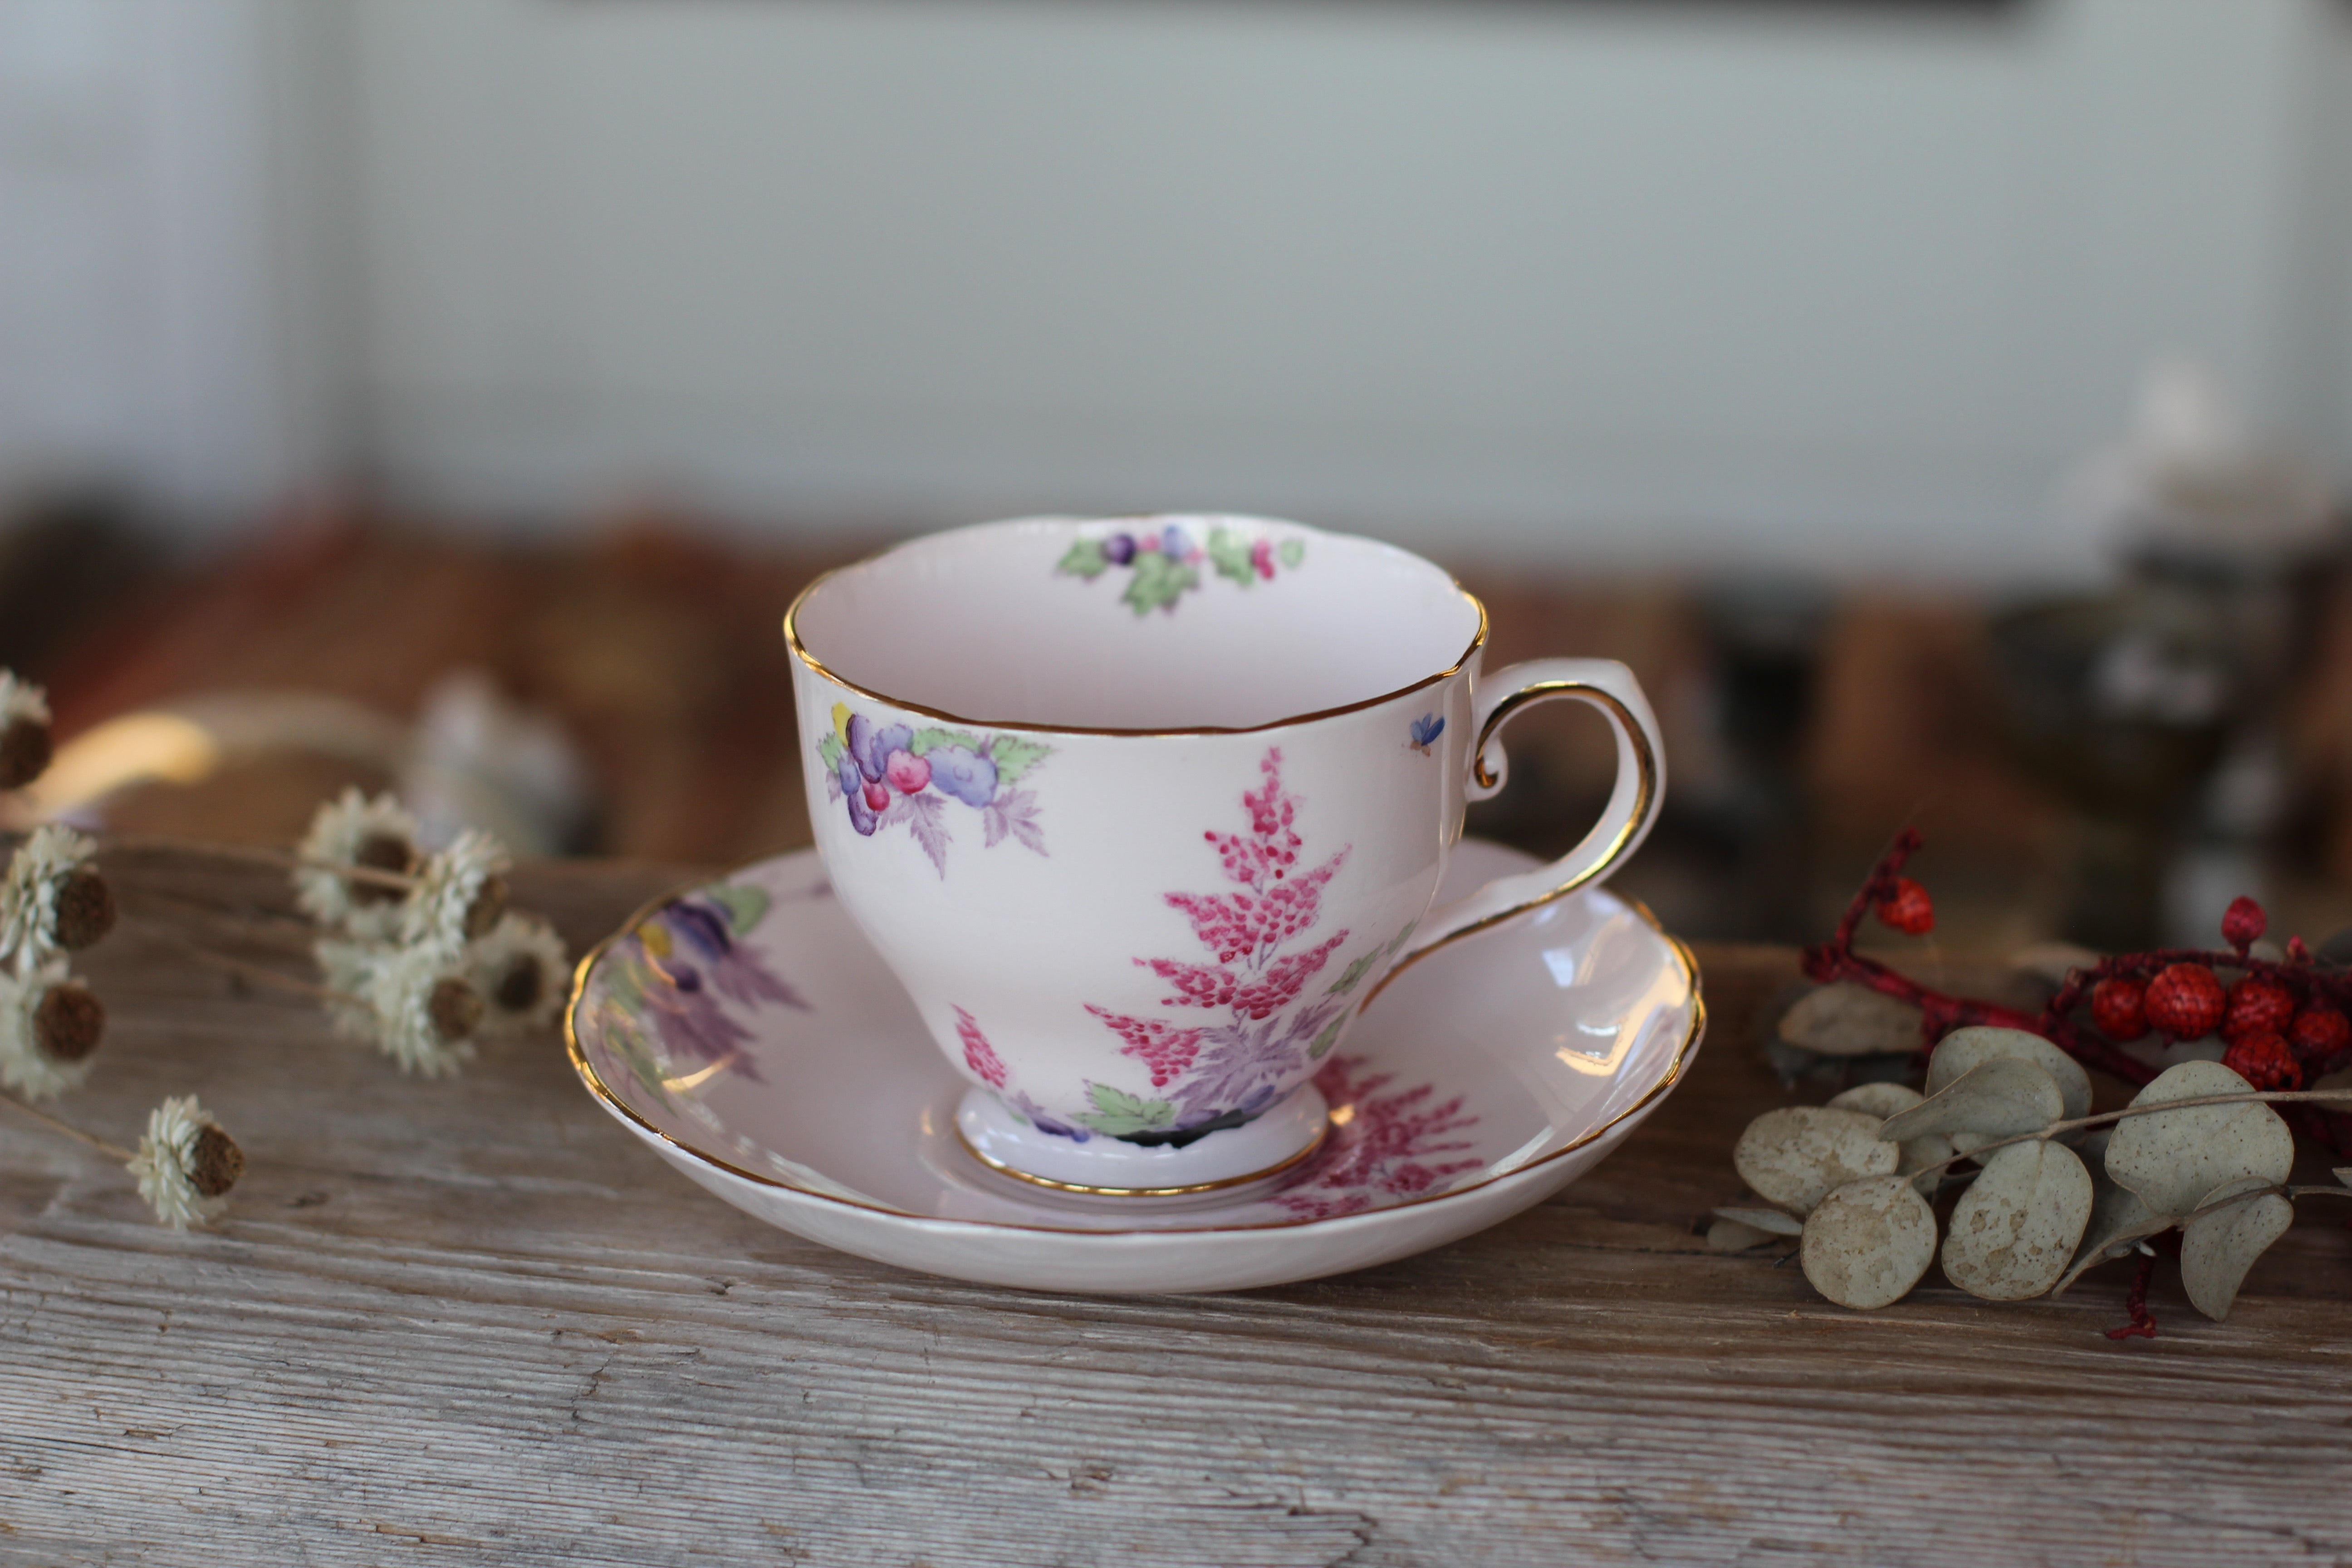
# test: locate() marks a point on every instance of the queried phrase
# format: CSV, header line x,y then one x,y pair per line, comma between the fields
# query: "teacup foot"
x,y
1105,1166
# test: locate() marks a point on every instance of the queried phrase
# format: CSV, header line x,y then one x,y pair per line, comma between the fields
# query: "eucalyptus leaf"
x,y
1868,1242
2119,1223
2217,1249
1771,1221
2016,1228
1732,1235
1963,1050
1893,1099
1794,1155
2173,1158
1850,1020
1997,1099
1879,1100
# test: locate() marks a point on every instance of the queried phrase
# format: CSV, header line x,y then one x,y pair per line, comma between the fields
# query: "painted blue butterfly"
x,y
1425,729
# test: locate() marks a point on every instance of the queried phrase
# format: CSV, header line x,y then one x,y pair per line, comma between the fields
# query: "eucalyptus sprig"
x,y
2200,1150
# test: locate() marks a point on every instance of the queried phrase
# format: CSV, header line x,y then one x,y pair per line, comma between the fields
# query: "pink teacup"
x,y
1142,811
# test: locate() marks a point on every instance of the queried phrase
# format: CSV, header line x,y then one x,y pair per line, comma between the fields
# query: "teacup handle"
x,y
1633,800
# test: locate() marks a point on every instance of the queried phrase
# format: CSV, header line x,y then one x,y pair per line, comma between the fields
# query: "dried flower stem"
x,y
111,1151
245,968
2252,1097
262,855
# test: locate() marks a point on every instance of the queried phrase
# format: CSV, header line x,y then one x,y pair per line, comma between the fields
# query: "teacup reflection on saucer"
x,y
748,1033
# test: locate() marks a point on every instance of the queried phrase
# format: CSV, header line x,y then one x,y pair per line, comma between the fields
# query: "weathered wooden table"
x,y
474,1321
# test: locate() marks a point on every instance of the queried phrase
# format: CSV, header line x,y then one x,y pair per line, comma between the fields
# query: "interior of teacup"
x,y
1137,623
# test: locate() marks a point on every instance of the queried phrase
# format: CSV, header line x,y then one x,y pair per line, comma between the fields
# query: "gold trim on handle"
x,y
1645,792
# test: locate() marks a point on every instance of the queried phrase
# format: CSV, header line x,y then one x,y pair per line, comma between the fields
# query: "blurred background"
x,y
1946,407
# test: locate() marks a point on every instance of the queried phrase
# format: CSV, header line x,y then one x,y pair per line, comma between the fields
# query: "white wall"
x,y
1806,287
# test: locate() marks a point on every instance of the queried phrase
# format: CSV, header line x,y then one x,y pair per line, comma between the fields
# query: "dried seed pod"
x,y
382,850
456,1009
2016,1226
25,748
215,1163
1868,1242
2217,1249
85,910
2173,1158
1795,1155
69,1022
1850,1020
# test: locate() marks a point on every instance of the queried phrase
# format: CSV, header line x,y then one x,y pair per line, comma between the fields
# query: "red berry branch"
x,y
2285,1024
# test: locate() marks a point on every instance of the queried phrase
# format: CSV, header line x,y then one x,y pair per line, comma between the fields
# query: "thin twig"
x,y
271,923
112,1151
261,855
2258,1097
251,971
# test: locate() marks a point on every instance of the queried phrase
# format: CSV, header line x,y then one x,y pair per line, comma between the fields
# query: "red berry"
x,y
1908,908
877,793
2185,1002
2244,924
2319,1033
2257,1006
2118,1006
2264,1061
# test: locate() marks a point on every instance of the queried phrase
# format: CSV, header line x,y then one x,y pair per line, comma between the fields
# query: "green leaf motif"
x,y
1353,975
830,750
1157,583
746,906
1084,559
1229,552
928,741
1120,1115
1326,1039
1014,756
1290,552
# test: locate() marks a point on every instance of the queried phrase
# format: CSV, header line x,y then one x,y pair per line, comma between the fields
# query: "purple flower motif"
x,y
695,965
965,773
862,817
872,744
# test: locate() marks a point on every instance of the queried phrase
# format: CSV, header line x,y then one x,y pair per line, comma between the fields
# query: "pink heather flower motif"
x,y
978,1054
1158,1044
1389,1148
1226,1073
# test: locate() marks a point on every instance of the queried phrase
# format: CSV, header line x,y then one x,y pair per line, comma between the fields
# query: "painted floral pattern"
x,y
1163,564
891,775
677,988
1425,729
1391,1149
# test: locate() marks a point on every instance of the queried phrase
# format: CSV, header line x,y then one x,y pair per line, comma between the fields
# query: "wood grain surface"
x,y
472,1321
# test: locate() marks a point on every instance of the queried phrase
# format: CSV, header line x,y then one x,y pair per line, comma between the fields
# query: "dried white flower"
x,y
52,898
460,894
353,830
48,1028
20,699
185,1163
521,970
413,1004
